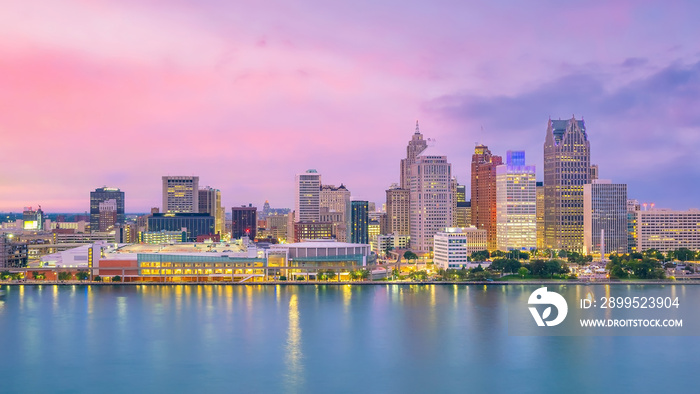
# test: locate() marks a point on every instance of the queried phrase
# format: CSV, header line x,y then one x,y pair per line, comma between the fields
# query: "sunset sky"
x,y
246,94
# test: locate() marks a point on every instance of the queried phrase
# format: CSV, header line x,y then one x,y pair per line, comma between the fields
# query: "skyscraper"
x,y
632,208
308,197
108,214
483,192
540,215
180,194
244,222
210,202
334,202
567,167
358,222
516,204
398,210
415,146
103,194
605,208
430,198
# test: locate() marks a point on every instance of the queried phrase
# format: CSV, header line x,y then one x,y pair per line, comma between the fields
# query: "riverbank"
x,y
366,283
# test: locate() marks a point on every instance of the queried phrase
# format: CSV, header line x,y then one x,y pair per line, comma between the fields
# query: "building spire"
x,y
417,129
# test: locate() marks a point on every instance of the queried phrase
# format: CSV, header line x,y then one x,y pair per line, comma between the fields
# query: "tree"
x,y
481,255
300,277
354,275
522,271
97,278
408,255
116,278
38,275
82,275
282,277
364,274
5,275
684,254
65,275
330,274
388,249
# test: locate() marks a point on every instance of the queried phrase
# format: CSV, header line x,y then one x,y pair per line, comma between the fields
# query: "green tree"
x,y
522,271
97,278
82,275
5,275
300,277
354,275
38,275
116,278
684,254
364,274
65,275
330,274
283,277
408,255
481,255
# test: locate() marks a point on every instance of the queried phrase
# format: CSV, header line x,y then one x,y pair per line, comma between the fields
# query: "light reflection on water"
x,y
294,358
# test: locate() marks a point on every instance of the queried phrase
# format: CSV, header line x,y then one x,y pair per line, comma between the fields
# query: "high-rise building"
x,y
632,208
103,194
567,167
33,220
333,202
358,222
308,197
277,227
463,214
13,253
108,214
398,209
483,193
430,198
180,194
305,231
461,193
516,204
210,202
244,222
415,146
540,215
666,230
604,213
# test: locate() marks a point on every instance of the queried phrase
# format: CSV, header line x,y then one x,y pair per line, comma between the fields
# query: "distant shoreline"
x,y
369,283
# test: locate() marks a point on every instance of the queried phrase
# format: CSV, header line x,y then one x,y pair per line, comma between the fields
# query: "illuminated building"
x,y
210,202
430,198
162,237
308,197
632,208
398,210
373,230
304,231
516,204
333,205
180,194
358,221
415,146
540,215
13,254
33,220
108,215
453,246
102,194
605,209
277,227
463,214
666,230
567,167
483,192
244,222
393,242
196,224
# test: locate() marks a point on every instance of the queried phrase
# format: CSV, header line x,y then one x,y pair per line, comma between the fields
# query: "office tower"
x,y
210,202
398,210
308,196
244,222
453,246
195,224
277,227
415,146
103,194
180,194
33,220
605,208
483,193
358,222
567,167
13,254
632,208
463,214
516,204
461,193
108,215
540,215
666,230
453,198
430,198
594,172
306,231
333,202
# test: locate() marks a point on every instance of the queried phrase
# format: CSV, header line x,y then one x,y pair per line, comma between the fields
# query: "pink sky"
x,y
246,95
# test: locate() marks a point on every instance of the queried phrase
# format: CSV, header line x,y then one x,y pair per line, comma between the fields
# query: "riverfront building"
x,y
516,204
358,222
210,203
196,224
103,194
666,230
244,222
453,246
483,193
567,167
605,210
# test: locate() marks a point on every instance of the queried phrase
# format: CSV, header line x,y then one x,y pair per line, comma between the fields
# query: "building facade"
x,y
567,167
358,222
108,215
430,198
453,246
180,194
210,202
483,193
305,231
632,208
605,213
398,210
103,194
415,146
540,215
666,230
196,224
244,222
334,202
308,197
516,204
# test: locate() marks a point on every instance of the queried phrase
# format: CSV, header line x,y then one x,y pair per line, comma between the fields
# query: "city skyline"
x,y
202,90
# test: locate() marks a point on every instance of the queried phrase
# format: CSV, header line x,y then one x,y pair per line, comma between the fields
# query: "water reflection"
x,y
295,366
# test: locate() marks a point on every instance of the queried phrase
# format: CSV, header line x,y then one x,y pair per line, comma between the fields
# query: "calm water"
x,y
314,339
